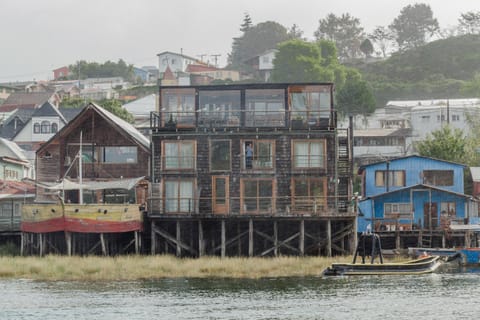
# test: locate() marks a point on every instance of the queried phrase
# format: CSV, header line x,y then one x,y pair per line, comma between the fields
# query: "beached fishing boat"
x,y
369,246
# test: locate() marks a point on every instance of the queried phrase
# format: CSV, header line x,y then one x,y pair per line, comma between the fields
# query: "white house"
x,y
175,61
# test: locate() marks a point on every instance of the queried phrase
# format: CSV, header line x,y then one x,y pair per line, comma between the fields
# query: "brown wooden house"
x,y
253,169
95,169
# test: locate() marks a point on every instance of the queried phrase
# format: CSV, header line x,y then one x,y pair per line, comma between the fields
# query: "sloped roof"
x,y
16,189
420,185
199,68
475,172
48,110
30,98
14,149
363,167
9,128
168,74
143,106
120,124
69,113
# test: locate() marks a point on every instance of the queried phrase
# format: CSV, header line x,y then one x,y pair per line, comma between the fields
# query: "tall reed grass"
x,y
94,268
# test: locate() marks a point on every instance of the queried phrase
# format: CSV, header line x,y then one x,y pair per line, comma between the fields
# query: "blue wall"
x,y
413,167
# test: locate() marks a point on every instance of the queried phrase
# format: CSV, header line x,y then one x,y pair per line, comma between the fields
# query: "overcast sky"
x,y
38,36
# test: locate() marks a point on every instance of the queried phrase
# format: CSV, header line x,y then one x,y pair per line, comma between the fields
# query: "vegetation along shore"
x,y
95,268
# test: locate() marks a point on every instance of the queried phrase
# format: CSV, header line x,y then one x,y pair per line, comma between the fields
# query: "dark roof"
x,y
30,98
47,110
9,128
70,113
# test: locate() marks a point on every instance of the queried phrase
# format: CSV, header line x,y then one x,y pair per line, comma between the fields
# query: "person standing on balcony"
x,y
249,156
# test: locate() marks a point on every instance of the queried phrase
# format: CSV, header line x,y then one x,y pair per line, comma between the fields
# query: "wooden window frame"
x,y
391,182
255,158
178,181
312,204
258,198
179,143
323,148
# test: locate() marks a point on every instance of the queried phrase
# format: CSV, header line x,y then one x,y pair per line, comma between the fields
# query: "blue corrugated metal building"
x,y
414,192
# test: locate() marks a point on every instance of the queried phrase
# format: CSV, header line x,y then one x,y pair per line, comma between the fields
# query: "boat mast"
x,y
80,173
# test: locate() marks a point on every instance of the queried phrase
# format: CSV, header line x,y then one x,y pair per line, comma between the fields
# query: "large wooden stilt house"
x,y
253,170
91,188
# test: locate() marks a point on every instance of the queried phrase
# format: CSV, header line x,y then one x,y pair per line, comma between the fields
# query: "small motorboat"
x,y
369,246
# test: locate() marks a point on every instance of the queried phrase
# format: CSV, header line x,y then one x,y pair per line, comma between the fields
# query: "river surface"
x,y
452,295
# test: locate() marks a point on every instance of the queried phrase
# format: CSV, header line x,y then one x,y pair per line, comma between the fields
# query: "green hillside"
x,y
436,70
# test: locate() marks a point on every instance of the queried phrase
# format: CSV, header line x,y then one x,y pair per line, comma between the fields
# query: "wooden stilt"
x,y
223,248
137,242
301,240
444,240
354,242
22,243
153,239
104,247
179,239
329,238
239,245
275,238
68,239
201,244
250,238
40,244
397,240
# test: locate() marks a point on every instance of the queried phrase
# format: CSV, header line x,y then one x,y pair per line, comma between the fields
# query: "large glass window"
x,y
178,107
309,194
264,108
219,108
310,103
259,154
119,154
309,154
220,155
179,155
396,178
257,196
438,177
397,211
179,196
36,128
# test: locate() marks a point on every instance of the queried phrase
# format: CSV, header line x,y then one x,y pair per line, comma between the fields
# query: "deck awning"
x,y
95,185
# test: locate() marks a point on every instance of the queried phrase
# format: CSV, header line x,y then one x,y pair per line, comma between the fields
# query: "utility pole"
x,y
215,58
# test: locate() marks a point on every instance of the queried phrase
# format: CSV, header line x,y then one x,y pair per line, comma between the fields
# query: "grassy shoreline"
x,y
123,268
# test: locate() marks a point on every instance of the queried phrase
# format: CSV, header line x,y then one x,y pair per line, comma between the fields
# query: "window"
x,y
259,154
179,196
438,177
308,154
45,127
220,155
36,128
448,208
455,117
178,106
119,154
310,103
397,210
309,194
264,108
219,108
54,128
396,178
257,196
179,155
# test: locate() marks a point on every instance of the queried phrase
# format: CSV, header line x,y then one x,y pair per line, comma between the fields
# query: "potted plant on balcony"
x,y
298,122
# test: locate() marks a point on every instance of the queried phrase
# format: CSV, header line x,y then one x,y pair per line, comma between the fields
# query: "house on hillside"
x,y
412,193
14,164
263,64
24,100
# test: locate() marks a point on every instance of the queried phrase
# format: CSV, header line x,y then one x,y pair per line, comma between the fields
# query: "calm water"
x,y
436,296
